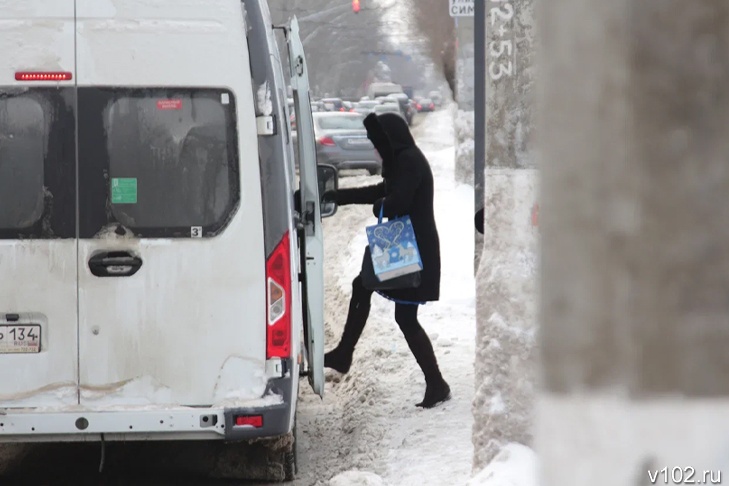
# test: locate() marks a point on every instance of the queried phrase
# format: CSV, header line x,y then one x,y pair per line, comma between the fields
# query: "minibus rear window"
x,y
24,129
169,157
37,163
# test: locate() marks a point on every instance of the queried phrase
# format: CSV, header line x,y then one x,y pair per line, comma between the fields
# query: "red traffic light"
x,y
355,6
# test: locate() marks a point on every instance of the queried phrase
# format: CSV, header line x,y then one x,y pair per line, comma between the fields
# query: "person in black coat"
x,y
407,189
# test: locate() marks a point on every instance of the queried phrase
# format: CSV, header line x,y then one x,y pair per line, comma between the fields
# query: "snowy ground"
x,y
514,465
368,421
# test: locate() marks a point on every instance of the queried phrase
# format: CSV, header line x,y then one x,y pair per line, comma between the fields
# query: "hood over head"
x,y
397,131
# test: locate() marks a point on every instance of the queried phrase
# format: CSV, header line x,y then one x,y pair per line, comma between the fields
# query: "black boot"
x,y
340,358
437,390
435,393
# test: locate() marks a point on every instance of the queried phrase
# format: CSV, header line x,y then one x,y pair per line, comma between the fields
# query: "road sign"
x,y
460,8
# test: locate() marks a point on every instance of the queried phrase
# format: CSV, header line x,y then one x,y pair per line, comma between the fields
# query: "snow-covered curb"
x,y
357,478
514,465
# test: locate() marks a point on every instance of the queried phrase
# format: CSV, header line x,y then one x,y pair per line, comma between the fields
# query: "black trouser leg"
x,y
340,358
437,390
418,341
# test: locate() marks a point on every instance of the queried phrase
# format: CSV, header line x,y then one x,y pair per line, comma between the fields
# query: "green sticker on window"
x,y
124,190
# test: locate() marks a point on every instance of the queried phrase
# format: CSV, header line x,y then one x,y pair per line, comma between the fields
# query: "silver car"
x,y
341,141
366,107
389,108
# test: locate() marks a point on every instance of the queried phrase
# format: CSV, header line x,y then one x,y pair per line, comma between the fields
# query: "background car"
x,y
333,104
389,108
366,107
413,106
425,105
341,141
436,97
404,102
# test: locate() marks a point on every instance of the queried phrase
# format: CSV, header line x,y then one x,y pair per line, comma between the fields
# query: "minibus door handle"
x,y
114,264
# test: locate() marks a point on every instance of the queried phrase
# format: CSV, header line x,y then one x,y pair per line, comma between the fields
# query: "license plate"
x,y
20,338
359,141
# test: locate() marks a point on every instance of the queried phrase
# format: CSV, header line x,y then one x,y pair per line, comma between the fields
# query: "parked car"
x,y
316,106
389,108
404,102
425,105
333,104
437,98
366,107
376,90
155,285
341,141
413,106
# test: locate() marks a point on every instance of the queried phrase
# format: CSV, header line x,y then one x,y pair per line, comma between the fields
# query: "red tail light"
x,y
419,107
432,106
39,76
327,141
249,421
278,298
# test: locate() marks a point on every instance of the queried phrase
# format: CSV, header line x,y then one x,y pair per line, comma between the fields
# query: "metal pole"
x,y
479,74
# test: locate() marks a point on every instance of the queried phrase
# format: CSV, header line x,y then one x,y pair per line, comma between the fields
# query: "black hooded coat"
x,y
407,190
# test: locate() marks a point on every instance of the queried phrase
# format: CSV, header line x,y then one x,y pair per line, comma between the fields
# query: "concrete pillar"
x,y
506,277
634,151
509,83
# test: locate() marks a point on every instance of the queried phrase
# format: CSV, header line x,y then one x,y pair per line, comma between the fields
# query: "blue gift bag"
x,y
393,248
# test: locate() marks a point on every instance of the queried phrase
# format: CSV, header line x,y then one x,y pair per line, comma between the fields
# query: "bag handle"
x,y
382,210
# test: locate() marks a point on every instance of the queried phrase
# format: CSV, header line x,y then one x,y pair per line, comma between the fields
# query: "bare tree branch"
x,y
340,44
430,20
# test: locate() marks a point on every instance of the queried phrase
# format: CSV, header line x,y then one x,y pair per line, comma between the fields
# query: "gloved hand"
x,y
297,201
479,220
330,196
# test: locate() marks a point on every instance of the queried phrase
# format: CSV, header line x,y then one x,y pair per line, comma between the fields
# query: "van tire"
x,y
374,172
283,461
269,460
290,459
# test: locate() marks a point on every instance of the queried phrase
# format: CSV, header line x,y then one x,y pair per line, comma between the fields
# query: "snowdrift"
x,y
506,285
514,465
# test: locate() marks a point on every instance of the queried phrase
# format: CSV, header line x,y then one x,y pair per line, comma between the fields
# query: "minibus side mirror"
x,y
328,181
